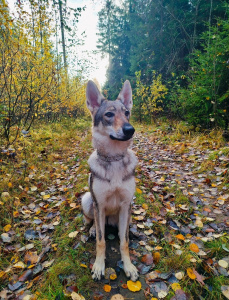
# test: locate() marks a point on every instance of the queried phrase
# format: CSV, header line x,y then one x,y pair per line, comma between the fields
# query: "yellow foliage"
x,y
33,83
149,98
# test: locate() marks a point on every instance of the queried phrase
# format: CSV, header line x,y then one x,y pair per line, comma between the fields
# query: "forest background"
x,y
175,53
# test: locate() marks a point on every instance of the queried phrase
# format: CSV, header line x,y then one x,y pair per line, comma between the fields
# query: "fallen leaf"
x,y
117,297
31,258
191,273
151,276
175,286
138,191
180,295
15,214
73,234
141,226
199,223
199,277
225,290
194,248
148,232
83,266
223,263
47,264
19,265
147,259
76,296
180,237
107,288
145,206
179,275
7,228
110,274
139,218
156,257
134,286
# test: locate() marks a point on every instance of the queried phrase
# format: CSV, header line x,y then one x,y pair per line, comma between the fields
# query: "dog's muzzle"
x,y
128,131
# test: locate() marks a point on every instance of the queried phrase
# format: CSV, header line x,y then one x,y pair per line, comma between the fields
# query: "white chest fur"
x,y
113,182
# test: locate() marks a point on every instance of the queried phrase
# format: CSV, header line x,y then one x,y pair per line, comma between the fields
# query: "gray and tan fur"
x,y
111,182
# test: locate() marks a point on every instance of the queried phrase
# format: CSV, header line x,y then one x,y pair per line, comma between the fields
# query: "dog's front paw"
x,y
98,270
131,271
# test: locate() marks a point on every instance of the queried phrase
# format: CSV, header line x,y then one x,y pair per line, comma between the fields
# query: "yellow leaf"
x,y
194,248
83,266
138,191
113,276
134,286
7,228
45,197
199,223
10,185
191,273
2,273
180,237
158,248
145,206
175,286
156,257
107,288
19,265
15,214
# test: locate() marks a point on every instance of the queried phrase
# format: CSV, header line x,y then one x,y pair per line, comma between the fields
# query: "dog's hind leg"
x,y
124,217
88,212
87,207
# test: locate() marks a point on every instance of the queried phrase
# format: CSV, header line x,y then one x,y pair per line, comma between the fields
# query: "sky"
x,y
88,23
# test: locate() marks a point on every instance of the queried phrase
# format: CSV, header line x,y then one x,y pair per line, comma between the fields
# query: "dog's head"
x,y
111,118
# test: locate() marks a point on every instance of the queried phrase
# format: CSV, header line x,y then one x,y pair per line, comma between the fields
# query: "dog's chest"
x,y
113,182
116,173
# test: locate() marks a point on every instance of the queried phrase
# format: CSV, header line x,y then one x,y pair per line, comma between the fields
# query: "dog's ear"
x,y
126,95
94,97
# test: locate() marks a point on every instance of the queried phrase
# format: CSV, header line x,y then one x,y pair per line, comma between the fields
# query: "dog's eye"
x,y
127,113
109,114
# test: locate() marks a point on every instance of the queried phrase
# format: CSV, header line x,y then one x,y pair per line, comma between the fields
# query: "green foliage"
x,y
204,101
148,99
186,38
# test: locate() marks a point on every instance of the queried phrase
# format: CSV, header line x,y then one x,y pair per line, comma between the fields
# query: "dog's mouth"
x,y
125,138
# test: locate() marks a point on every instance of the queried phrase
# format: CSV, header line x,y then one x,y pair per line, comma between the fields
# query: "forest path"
x,y
176,191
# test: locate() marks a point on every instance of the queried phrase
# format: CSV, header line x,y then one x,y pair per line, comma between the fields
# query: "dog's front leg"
x,y
124,219
99,265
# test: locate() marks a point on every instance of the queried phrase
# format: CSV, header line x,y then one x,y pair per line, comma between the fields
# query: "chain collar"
x,y
109,158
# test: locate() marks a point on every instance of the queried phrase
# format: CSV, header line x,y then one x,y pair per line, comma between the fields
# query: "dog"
x,y
111,180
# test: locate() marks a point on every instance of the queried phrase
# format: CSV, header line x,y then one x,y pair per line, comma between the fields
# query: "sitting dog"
x,y
112,167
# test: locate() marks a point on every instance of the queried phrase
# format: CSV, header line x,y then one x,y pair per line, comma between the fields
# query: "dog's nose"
x,y
128,129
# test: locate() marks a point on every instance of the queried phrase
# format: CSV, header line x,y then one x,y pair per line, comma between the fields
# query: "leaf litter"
x,y
186,227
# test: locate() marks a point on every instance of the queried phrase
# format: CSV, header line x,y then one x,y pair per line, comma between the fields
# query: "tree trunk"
x,y
62,33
